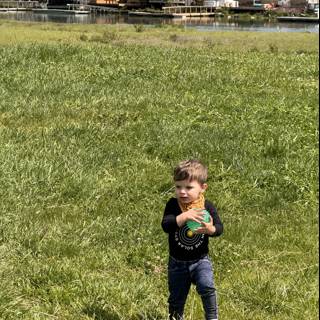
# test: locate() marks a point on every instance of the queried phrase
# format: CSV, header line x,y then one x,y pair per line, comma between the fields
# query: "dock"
x,y
62,11
12,9
73,8
189,11
150,14
101,9
79,9
93,8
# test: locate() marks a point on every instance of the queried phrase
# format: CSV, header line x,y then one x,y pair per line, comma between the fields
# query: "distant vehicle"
x,y
257,3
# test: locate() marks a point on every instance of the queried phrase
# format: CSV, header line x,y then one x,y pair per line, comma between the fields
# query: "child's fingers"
x,y
199,213
200,230
205,227
207,223
198,217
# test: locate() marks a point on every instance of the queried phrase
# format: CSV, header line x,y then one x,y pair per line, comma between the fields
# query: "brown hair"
x,y
191,170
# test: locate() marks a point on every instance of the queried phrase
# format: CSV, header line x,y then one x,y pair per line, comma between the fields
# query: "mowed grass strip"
x,y
90,128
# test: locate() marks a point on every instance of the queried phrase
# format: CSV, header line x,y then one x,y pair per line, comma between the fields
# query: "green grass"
x,y
92,120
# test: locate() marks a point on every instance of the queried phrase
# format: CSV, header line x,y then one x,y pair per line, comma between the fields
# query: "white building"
x,y
298,3
284,3
313,4
221,3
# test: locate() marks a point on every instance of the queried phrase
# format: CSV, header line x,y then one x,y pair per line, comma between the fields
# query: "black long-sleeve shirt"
x,y
182,246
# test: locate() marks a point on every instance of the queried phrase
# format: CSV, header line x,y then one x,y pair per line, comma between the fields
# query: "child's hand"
x,y
196,215
207,228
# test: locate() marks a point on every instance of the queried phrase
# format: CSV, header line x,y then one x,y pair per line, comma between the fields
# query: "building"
x,y
63,3
136,3
57,3
313,4
293,3
221,3
251,3
104,2
165,3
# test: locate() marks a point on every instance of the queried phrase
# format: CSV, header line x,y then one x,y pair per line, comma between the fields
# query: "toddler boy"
x,y
189,262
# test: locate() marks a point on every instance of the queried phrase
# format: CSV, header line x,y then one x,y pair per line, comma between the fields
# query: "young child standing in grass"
x,y
189,262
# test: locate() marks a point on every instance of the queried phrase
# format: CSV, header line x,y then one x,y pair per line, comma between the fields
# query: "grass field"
x,y
92,120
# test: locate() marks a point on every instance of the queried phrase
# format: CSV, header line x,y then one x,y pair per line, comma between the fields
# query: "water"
x,y
203,24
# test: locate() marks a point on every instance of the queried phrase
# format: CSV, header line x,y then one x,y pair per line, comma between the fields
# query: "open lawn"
x,y
92,120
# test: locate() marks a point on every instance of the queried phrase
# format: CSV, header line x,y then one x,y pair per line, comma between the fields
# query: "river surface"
x,y
203,24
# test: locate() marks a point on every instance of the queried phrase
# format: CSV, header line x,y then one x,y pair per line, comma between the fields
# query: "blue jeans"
x,y
181,274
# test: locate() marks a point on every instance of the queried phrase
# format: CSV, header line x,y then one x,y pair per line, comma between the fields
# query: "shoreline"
x,y
298,19
220,14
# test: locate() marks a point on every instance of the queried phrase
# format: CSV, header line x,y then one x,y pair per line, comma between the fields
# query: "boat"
x,y
149,14
61,11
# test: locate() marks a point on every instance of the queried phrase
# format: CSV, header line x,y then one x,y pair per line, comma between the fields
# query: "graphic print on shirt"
x,y
188,240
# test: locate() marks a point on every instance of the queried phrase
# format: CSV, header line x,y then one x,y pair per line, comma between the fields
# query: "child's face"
x,y
188,191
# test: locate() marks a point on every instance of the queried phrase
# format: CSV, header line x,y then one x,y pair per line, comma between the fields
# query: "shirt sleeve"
x,y
216,219
169,222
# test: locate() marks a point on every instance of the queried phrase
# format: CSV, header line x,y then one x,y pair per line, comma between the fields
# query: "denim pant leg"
x,y
202,276
179,285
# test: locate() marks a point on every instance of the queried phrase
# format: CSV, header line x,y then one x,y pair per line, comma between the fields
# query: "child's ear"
x,y
204,187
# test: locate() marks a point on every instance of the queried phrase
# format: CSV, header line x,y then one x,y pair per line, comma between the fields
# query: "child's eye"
x,y
189,188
